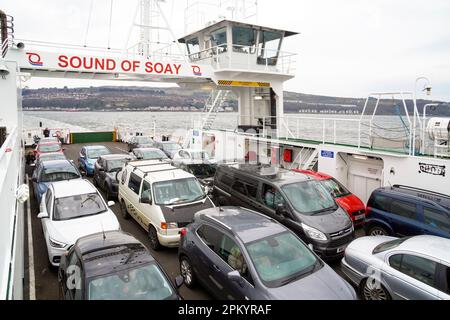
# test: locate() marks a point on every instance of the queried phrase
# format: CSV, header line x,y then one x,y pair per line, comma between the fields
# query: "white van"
x,y
161,198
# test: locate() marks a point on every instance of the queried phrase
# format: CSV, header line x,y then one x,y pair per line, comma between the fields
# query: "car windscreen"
x,y
335,188
115,165
309,197
151,154
59,173
78,206
281,258
142,283
171,146
201,170
177,191
52,156
389,245
97,152
49,147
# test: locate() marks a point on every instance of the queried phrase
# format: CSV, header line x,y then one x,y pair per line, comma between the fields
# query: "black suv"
x,y
296,200
113,266
407,211
105,172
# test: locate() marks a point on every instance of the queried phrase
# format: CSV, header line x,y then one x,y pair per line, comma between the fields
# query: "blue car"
x,y
88,156
47,172
406,211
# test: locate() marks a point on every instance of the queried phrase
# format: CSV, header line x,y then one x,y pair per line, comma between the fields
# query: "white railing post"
x,y
323,131
334,131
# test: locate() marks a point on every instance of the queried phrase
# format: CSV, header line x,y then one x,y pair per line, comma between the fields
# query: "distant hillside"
x,y
109,98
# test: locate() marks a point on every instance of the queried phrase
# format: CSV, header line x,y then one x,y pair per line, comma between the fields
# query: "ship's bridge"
x,y
241,49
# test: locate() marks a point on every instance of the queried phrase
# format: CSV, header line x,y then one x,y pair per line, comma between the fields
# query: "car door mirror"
x,y
42,215
34,179
235,276
179,280
145,200
281,210
111,203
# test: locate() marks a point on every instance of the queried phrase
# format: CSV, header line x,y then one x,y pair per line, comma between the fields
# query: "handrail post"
x,y
334,131
323,131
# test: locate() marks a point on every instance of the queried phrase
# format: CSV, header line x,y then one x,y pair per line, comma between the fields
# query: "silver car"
x,y
416,268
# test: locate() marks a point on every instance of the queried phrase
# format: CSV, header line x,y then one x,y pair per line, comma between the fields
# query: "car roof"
x,y
273,174
248,225
158,170
46,143
56,163
147,149
107,252
96,146
433,246
73,187
117,156
423,195
316,175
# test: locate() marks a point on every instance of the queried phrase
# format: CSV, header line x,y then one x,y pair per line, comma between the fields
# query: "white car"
x,y
187,156
70,210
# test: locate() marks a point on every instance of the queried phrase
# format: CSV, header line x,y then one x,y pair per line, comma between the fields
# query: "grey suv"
x,y
294,199
236,253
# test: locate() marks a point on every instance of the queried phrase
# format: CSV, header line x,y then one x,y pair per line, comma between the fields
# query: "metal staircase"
x,y
306,159
212,105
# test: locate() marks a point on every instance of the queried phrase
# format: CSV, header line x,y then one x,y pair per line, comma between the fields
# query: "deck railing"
x,y
11,218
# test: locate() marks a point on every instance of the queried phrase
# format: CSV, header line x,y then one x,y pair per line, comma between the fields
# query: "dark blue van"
x,y
406,211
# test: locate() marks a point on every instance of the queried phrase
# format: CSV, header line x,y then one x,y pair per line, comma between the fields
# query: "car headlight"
x,y
314,233
56,244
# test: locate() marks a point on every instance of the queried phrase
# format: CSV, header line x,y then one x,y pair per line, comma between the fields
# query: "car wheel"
x,y
374,290
153,236
187,272
124,211
378,231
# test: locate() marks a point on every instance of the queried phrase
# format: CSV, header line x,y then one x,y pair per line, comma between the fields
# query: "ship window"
x,y
219,38
193,45
193,48
244,40
268,47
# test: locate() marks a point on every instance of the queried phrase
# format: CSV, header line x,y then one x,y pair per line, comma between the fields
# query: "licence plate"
x,y
341,249
360,217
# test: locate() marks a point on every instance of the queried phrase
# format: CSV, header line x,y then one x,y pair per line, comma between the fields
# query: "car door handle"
x,y
216,268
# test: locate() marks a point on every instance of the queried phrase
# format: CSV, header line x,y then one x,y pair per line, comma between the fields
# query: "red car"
x,y
348,201
48,147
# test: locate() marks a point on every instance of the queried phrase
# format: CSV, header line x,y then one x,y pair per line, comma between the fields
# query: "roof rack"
x,y
399,186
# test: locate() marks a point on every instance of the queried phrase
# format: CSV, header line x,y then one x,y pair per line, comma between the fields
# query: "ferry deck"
x,y
41,279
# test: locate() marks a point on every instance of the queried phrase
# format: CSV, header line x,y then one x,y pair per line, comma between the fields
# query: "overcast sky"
x,y
346,47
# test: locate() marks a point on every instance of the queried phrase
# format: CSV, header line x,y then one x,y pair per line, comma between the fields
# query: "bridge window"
x,y
219,39
268,47
244,40
193,48
193,45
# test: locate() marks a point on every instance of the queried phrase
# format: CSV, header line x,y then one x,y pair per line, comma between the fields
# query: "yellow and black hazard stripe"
x,y
232,83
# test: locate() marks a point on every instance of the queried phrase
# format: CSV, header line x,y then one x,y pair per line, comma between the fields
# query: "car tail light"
x,y
169,225
183,232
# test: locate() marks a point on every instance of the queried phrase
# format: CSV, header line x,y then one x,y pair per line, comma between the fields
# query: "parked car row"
x,y
260,233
